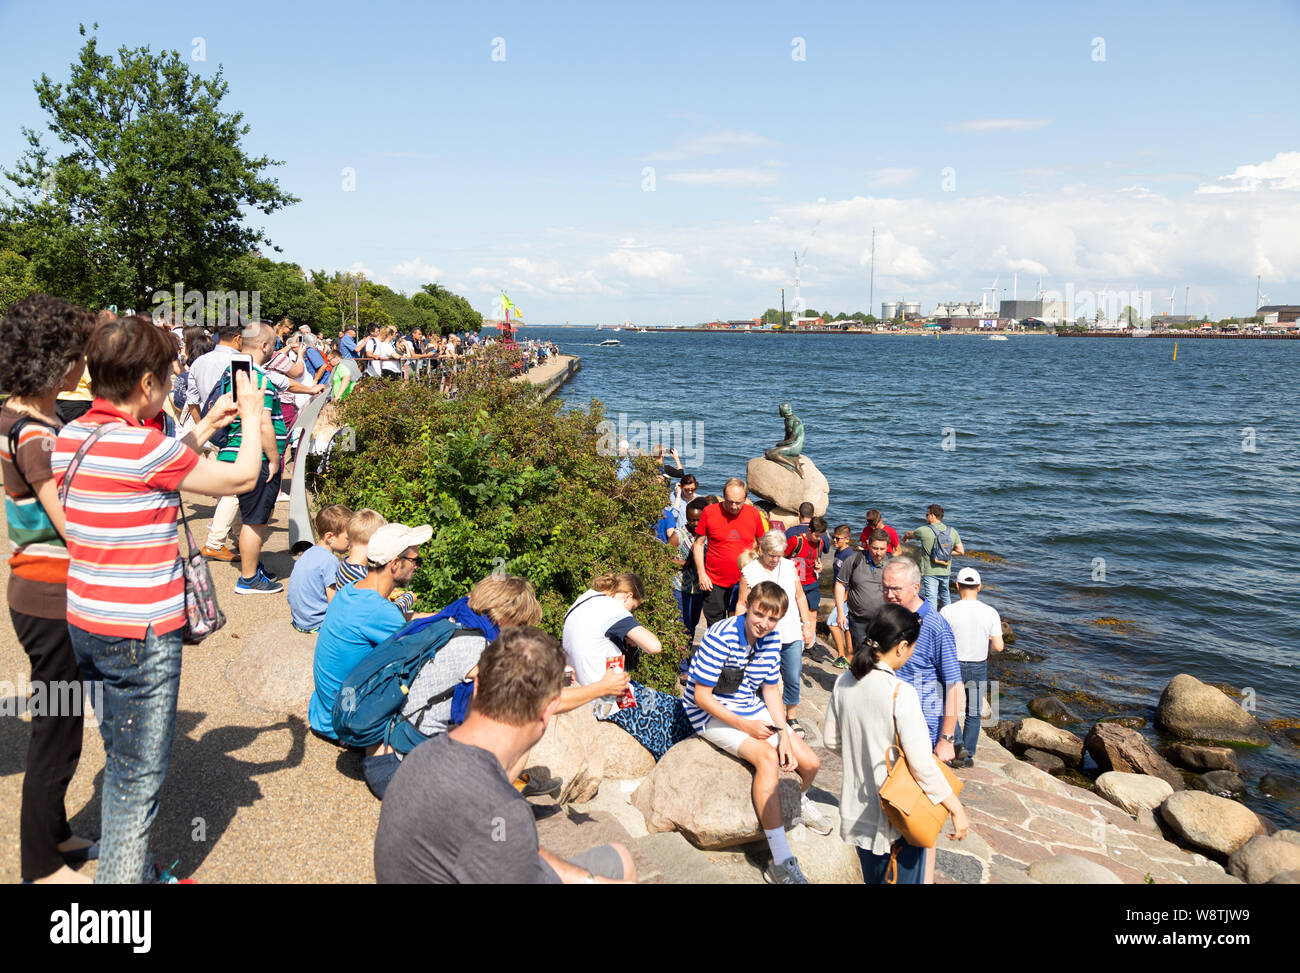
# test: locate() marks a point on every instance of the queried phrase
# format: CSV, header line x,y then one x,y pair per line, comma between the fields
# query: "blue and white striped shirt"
x,y
725,644
933,667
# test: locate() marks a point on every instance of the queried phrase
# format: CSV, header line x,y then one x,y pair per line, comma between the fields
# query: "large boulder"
x,y
787,489
826,859
1003,732
1038,735
1133,792
1051,709
1200,758
1116,747
1048,762
1261,859
624,758
569,750
1210,823
1225,783
707,795
1192,710
272,669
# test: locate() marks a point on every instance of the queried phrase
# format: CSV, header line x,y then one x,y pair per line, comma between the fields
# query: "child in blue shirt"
x,y
311,586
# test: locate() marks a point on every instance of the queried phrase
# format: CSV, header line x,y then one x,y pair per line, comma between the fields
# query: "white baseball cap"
x,y
391,540
968,576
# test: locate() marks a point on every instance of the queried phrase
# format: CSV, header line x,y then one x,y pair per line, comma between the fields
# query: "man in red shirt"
x,y
874,520
728,527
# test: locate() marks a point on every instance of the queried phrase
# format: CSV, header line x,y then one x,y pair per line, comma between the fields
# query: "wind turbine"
x,y
991,290
1171,301
798,301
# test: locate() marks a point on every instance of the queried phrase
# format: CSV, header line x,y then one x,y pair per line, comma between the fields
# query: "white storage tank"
x,y
889,310
912,308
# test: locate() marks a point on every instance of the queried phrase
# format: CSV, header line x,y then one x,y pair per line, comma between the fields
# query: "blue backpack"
x,y
369,705
941,550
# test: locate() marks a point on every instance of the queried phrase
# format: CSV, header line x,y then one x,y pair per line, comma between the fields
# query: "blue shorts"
x,y
257,505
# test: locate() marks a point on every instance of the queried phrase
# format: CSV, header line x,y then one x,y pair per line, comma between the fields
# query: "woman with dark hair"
x,y
119,480
41,340
870,707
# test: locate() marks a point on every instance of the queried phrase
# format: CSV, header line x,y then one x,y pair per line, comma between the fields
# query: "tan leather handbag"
x,y
906,805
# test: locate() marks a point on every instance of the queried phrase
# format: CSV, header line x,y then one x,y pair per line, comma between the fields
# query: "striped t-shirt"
x,y
348,573
271,400
121,508
39,565
725,645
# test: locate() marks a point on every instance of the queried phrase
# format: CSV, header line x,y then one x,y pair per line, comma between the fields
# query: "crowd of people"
x,y
97,594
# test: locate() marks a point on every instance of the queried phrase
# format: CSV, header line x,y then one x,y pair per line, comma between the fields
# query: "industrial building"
x,y
1277,315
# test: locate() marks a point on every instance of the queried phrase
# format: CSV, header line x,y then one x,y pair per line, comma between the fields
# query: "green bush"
x,y
509,482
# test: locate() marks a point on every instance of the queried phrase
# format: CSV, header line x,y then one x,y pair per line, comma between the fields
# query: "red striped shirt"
x,y
124,574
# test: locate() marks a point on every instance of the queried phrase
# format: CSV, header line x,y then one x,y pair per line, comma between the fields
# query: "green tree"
x,y
283,289
147,184
16,280
509,481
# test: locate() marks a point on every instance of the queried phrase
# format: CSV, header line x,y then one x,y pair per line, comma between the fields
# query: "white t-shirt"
x,y
594,630
790,628
973,623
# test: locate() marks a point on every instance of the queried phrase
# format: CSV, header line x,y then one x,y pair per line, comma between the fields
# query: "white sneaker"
x,y
813,819
786,873
282,498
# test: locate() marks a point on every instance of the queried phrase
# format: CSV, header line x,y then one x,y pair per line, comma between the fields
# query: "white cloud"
x,y
1028,266
1280,172
891,177
409,275
712,143
359,268
721,177
999,125
647,263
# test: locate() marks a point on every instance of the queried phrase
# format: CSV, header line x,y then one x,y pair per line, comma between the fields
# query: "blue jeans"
x,y
791,670
911,865
976,677
690,607
141,679
934,589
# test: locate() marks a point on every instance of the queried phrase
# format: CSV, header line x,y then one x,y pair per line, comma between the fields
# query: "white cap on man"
x,y
389,541
968,576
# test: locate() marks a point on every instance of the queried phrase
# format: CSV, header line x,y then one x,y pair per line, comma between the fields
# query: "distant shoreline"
x,y
1168,335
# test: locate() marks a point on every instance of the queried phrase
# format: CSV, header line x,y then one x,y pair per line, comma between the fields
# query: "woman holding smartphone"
x,y
120,479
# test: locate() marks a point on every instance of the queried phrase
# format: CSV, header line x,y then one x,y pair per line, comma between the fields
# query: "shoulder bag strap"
x,y
577,604
86,443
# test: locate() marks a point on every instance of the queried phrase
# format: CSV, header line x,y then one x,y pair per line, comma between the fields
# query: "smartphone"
x,y
240,363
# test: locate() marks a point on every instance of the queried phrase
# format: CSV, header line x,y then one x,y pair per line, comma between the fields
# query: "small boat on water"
x,y
609,342
997,337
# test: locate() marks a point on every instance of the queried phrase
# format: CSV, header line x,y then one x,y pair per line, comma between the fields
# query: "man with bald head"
x,y
729,527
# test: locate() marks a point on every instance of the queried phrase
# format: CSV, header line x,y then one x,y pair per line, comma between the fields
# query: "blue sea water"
x,y
1115,482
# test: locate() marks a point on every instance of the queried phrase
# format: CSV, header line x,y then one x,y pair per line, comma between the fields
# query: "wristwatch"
x,y
951,738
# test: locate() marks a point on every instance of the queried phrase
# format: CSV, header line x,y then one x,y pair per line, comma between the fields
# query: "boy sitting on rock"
x,y
740,657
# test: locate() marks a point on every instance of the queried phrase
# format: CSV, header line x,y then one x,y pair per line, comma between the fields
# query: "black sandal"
x,y
794,725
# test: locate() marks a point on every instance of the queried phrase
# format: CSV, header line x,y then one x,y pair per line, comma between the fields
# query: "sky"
x,y
663,163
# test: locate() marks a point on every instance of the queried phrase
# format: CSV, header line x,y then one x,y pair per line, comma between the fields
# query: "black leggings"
x,y
55,745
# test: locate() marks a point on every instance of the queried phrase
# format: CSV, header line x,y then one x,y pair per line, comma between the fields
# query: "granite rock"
x,y
1209,823
1038,735
1116,747
1192,710
1133,792
785,488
